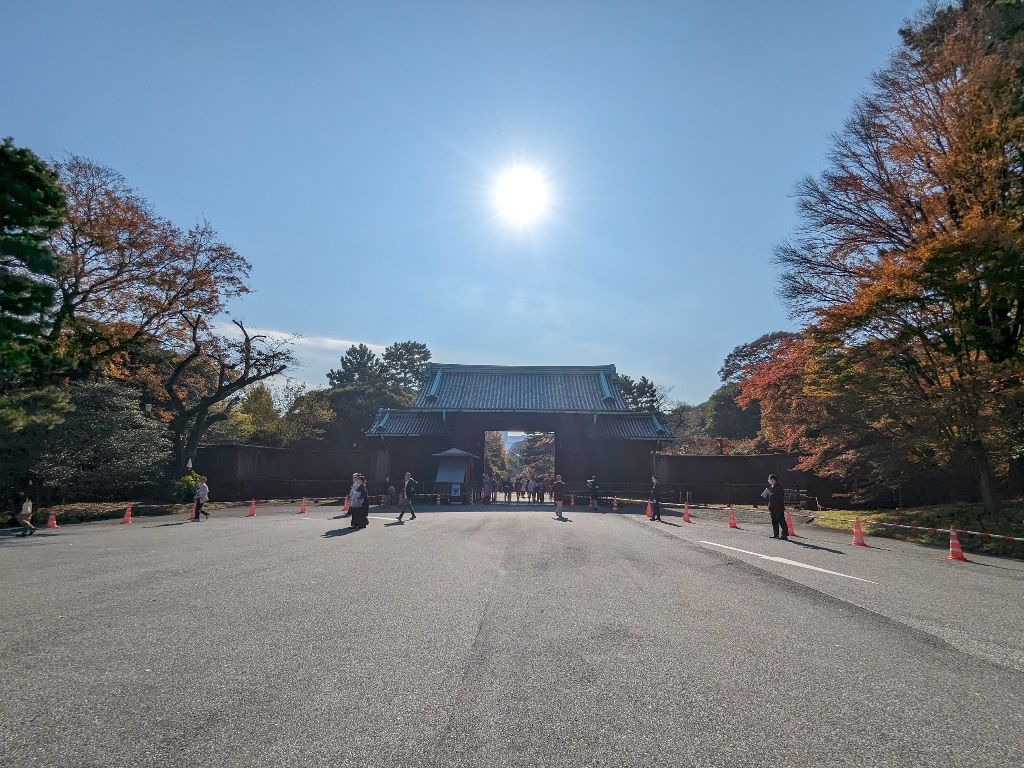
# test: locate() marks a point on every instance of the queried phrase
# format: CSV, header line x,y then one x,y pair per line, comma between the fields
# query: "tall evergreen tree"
x,y
32,206
405,363
643,394
495,456
535,454
359,363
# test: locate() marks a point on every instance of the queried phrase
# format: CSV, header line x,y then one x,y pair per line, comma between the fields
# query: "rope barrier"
x,y
922,528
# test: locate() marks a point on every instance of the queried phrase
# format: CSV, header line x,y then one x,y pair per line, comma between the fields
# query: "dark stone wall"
x,y
728,479
241,472
413,454
740,480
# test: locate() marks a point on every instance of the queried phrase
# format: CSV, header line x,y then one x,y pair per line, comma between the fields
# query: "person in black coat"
x,y
408,494
655,499
776,496
359,503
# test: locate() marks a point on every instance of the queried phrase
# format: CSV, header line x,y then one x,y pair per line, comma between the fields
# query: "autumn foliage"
x,y
908,266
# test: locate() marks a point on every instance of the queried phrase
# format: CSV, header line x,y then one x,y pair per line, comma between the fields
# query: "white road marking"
x,y
786,561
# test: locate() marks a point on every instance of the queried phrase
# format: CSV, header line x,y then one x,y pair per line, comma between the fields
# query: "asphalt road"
x,y
502,638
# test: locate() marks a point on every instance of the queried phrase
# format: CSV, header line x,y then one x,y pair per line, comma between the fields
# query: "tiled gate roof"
x,y
548,389
633,426
389,423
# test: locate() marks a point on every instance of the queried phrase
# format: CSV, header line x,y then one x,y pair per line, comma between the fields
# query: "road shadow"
x,y
8,537
340,517
805,545
674,525
561,519
340,532
988,565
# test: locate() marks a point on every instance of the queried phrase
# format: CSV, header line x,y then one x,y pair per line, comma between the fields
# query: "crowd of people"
x,y
537,490
534,489
493,489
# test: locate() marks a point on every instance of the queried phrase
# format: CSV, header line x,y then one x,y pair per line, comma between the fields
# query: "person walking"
x,y
655,499
558,495
776,496
25,517
353,500
359,503
594,491
408,493
202,496
348,496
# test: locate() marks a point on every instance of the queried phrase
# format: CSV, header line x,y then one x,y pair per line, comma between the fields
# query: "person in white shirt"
x,y
202,496
25,518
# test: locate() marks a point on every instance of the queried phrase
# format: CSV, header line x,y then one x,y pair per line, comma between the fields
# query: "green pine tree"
x,y
32,206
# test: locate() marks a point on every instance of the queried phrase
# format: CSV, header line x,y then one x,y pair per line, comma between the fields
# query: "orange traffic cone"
x,y
195,514
127,519
572,500
686,513
955,553
252,509
302,507
344,507
437,499
615,503
789,525
732,517
51,521
858,535
650,513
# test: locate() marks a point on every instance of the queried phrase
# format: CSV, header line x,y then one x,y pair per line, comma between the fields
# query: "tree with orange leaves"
x,y
909,262
137,297
128,275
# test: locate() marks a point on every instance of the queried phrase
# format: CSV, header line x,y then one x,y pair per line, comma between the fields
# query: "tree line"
x,y
906,270
118,354
906,276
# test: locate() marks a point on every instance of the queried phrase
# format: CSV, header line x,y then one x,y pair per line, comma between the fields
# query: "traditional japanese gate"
x,y
595,433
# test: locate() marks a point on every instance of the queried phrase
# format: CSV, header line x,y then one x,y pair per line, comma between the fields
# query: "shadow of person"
x,y
805,545
674,525
563,519
340,532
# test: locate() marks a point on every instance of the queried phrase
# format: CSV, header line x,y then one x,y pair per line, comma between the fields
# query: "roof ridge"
x,y
521,368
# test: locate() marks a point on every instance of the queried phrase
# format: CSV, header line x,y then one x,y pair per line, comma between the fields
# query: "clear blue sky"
x,y
348,150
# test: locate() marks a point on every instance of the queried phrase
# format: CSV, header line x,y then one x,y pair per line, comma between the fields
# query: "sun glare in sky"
x,y
521,195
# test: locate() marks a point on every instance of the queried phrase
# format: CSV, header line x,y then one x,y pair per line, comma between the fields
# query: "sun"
x,y
521,196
